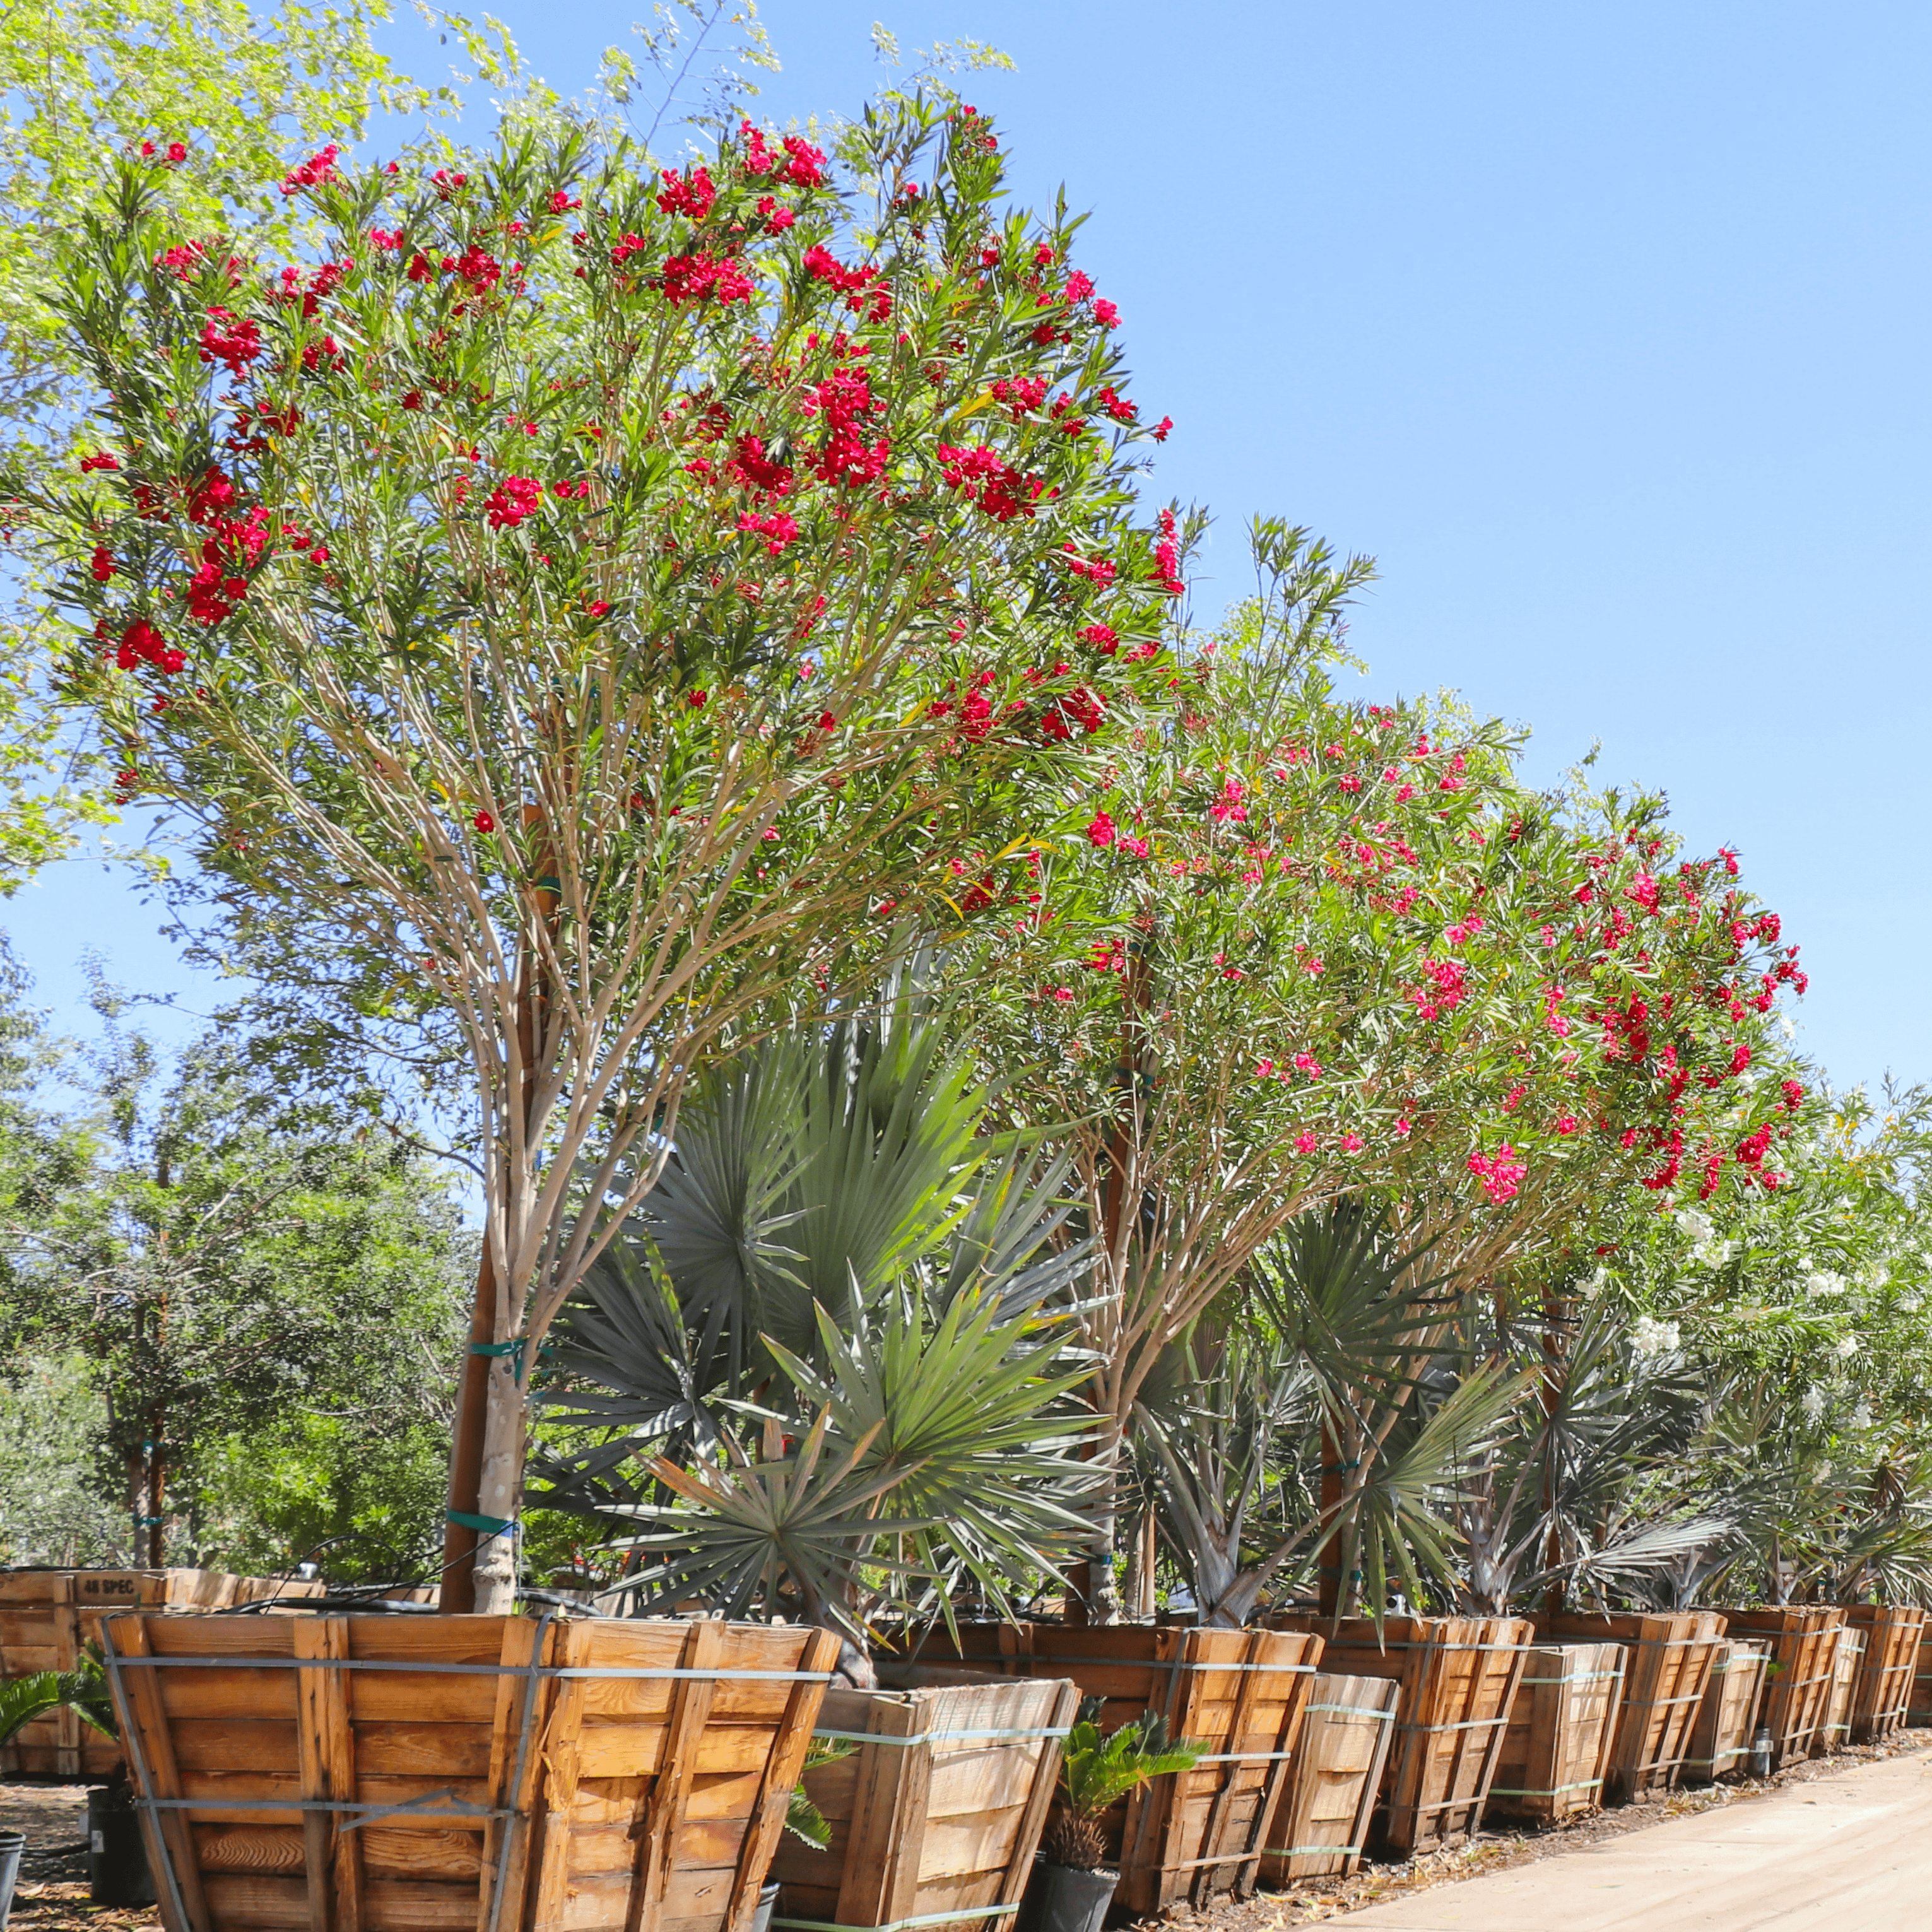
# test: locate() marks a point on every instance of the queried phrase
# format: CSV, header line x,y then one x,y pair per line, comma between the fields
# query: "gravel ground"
x,y
52,1892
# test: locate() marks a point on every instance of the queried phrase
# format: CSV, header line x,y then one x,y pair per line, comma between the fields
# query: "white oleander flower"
x,y
1650,1336
1813,1403
1787,1026
1862,1416
1909,1304
1696,1223
1848,1346
1822,1282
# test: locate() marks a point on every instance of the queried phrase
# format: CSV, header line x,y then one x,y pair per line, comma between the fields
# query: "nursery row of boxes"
x,y
366,1773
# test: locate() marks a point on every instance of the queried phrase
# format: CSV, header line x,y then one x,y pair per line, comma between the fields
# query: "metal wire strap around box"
x,y
901,1924
942,1738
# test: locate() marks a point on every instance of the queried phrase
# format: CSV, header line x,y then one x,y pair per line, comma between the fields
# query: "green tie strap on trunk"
x,y
901,1924
485,1525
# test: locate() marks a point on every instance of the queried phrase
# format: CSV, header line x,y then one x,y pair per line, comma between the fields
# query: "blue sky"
x,y
1603,328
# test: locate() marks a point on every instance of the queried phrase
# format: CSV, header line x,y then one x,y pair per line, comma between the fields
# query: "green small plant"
x,y
803,1818
1097,1771
84,1689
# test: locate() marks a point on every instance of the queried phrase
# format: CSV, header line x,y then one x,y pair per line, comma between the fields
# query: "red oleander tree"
x,y
579,613
1351,954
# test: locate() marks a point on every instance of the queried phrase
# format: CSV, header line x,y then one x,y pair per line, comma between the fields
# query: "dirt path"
x,y
1472,1868
1852,1853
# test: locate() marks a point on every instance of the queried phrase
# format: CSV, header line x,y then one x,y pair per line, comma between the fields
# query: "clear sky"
x,y
1602,327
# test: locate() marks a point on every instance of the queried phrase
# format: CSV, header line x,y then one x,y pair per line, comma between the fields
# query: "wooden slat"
x,y
878,1818
332,1859
562,1764
789,1748
170,1846
1032,1826
690,1705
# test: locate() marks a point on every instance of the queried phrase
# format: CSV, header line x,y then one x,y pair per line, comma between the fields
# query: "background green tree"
x,y
258,1298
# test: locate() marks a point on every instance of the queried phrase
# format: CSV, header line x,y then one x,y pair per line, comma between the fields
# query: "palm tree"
x,y
829,1360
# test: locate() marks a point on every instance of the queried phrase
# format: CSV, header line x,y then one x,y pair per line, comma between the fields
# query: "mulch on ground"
x,y
53,1893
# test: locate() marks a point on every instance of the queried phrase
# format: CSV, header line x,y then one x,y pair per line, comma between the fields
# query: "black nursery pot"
x,y
117,1861
1062,1898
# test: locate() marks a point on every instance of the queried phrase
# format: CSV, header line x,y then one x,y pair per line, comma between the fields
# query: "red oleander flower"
x,y
514,499
692,198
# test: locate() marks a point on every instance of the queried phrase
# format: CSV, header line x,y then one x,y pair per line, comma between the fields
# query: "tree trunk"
x,y
1555,1378
466,1450
499,1491
1334,1491
157,1508
1139,1589
487,1443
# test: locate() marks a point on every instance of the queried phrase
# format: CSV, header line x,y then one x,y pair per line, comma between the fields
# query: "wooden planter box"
x,y
1190,1834
385,1774
1834,1733
1921,1712
1321,1827
1804,1664
1882,1696
1665,1675
49,1617
1720,1739
940,1817
1556,1752
1458,1678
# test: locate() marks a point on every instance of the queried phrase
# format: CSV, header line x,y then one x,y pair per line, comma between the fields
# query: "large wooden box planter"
x,y
1803,1667
1239,1692
1321,1827
1556,1751
1458,1678
49,1617
385,1774
1834,1733
1665,1676
937,1814
1883,1695
1720,1739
